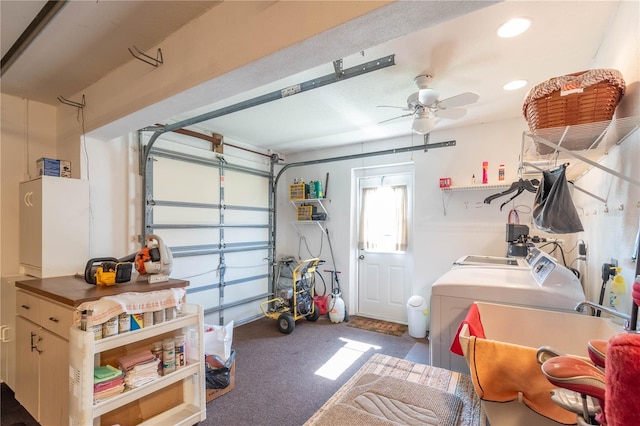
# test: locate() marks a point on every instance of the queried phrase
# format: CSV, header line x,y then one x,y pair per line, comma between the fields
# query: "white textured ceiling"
x,y
460,50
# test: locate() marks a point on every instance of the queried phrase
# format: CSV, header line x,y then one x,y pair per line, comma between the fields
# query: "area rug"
x,y
451,382
378,326
386,400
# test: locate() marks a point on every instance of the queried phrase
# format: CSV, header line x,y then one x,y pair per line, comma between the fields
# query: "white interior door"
x,y
384,244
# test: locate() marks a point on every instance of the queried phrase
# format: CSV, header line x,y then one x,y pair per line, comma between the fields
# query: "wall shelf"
x,y
477,187
544,149
304,223
555,144
86,353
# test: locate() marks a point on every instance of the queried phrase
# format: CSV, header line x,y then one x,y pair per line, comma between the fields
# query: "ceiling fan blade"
x,y
465,98
450,113
393,106
394,118
427,96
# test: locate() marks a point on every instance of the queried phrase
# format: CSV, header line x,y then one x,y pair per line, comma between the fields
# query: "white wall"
x,y
470,226
28,132
611,229
447,225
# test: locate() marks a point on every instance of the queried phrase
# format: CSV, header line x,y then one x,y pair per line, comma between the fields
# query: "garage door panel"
x,y
246,235
186,182
188,216
245,189
189,237
245,217
186,190
237,292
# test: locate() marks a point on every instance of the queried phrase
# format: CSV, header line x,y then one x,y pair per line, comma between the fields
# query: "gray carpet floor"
x,y
275,377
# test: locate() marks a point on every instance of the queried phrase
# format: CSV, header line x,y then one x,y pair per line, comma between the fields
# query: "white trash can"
x,y
417,311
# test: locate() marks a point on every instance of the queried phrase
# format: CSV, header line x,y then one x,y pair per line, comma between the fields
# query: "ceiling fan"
x,y
425,106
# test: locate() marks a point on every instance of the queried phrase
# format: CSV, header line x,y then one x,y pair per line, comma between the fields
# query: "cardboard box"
x,y
216,393
53,167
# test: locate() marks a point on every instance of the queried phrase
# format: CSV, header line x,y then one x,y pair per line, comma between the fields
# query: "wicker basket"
x,y
580,98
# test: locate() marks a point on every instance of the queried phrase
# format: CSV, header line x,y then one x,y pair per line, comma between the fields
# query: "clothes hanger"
x,y
520,186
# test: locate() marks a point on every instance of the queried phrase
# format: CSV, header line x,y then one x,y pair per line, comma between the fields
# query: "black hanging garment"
x,y
553,209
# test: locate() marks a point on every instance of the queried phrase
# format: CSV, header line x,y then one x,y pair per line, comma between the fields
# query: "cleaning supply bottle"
x,y
336,314
618,287
485,172
501,172
318,186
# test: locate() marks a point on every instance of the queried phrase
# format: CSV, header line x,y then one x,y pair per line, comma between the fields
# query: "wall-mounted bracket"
x,y
154,62
337,67
72,103
428,145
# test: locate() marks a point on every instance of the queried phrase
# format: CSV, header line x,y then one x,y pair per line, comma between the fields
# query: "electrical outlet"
x,y
613,262
582,249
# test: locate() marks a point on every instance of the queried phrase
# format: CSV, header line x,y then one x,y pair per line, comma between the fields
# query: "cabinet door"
x,y
54,379
27,366
31,223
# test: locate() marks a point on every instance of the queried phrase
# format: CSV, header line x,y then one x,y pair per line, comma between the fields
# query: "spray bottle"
x,y
336,314
618,287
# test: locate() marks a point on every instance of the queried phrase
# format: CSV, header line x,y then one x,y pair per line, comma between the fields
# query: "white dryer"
x,y
535,281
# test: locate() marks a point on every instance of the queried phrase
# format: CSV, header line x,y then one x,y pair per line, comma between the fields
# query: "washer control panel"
x,y
542,268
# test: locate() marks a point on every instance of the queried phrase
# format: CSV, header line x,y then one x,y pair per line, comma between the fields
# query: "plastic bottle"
x,y
312,190
485,172
156,350
473,179
180,351
501,172
318,186
168,356
336,314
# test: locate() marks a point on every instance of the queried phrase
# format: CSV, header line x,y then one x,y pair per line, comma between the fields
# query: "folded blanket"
x,y
475,328
501,371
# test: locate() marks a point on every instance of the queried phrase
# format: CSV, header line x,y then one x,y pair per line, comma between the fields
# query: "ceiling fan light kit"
x,y
423,123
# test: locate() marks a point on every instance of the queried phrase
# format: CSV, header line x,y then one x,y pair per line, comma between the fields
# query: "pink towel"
x,y
127,362
475,328
635,292
622,370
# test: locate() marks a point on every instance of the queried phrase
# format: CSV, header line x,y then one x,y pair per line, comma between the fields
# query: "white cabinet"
x,y
189,382
8,329
54,226
41,357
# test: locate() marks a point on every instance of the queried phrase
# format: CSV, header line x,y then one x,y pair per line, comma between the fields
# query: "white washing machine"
x,y
535,281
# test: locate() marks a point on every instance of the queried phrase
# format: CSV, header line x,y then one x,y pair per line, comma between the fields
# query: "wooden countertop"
x,y
73,291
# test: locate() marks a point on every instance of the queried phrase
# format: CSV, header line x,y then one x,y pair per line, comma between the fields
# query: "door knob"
x,y
361,257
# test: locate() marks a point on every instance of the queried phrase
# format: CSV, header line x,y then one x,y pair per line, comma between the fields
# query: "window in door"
x,y
383,219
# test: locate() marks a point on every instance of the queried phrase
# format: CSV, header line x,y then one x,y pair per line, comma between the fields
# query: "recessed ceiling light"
x,y
514,27
515,84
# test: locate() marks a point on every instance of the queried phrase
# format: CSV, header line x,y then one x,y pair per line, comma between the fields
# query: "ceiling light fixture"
x,y
514,27
423,124
515,84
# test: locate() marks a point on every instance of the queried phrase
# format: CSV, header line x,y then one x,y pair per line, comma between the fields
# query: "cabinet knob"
x,y
54,319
